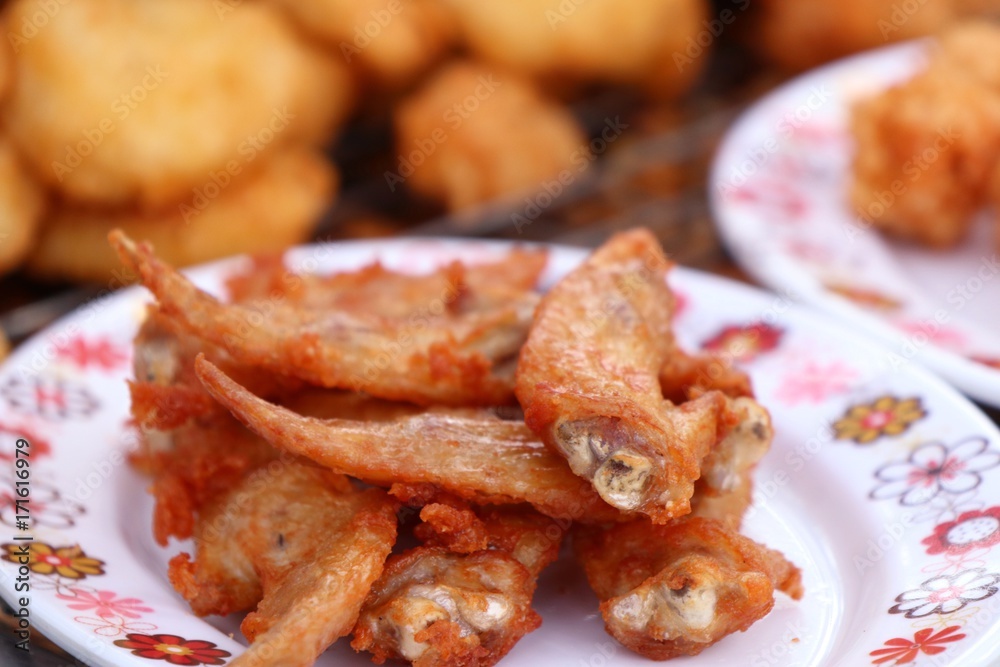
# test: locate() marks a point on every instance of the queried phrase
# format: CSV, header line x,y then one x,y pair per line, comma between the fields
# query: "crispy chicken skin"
x,y
445,358
300,543
588,380
471,454
674,590
435,607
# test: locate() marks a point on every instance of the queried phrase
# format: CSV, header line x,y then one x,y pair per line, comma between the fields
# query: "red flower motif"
x,y
9,434
975,529
175,650
992,362
744,343
904,651
98,352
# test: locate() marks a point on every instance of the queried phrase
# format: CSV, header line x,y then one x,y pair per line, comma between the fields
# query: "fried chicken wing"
x,y
724,490
435,607
675,590
588,380
299,542
473,455
447,359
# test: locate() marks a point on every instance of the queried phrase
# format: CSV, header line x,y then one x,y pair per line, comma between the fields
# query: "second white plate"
x,y
779,193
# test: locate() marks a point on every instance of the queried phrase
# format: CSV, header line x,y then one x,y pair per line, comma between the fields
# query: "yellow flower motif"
x,y
69,562
887,415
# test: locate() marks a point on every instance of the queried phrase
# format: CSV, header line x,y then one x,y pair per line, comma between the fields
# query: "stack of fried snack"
x,y
928,150
283,430
191,123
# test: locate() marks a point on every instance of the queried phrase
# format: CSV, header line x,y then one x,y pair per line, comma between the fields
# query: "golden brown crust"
x,y
473,133
22,204
470,454
306,552
275,205
148,120
434,606
443,358
588,380
644,43
675,590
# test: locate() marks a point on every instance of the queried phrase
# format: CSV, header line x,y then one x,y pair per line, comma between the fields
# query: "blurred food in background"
x,y
632,42
218,128
472,134
799,34
928,149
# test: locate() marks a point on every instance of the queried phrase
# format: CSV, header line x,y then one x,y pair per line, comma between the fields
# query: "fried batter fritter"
x,y
472,134
274,206
588,380
799,34
123,101
22,202
675,590
392,43
925,152
646,43
300,543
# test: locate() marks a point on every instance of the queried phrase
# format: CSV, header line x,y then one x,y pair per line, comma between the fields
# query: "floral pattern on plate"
x,y
923,457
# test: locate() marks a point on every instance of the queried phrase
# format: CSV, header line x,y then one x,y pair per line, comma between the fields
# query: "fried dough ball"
x,y
121,101
639,42
270,208
472,134
21,205
392,41
799,34
927,147
970,49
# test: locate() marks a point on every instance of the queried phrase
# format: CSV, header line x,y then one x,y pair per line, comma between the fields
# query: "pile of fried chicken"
x,y
288,430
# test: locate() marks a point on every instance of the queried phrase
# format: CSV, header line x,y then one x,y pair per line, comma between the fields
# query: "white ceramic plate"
x,y
878,486
778,190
